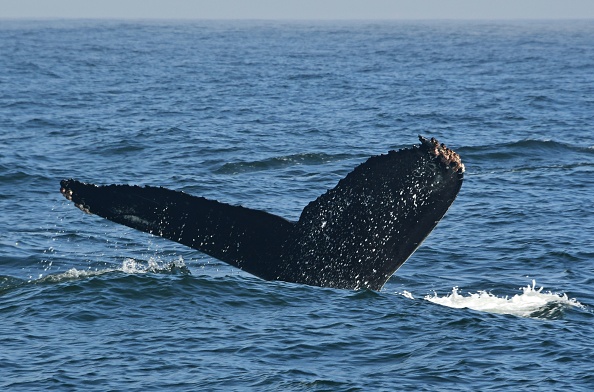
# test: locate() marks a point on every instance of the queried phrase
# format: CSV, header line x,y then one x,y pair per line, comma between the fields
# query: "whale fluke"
x,y
355,235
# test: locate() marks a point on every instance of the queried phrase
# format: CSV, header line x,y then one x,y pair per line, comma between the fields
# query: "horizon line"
x,y
283,19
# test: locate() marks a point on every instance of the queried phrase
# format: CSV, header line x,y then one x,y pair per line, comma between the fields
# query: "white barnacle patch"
x,y
84,208
67,193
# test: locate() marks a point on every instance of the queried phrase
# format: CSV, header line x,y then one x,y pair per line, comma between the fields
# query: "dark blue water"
x,y
270,115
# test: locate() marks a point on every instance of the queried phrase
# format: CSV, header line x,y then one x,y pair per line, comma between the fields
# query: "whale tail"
x,y
355,235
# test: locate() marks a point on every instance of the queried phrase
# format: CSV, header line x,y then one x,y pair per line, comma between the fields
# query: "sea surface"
x,y
270,115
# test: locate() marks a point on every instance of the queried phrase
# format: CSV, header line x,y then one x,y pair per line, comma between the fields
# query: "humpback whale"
x,y
354,236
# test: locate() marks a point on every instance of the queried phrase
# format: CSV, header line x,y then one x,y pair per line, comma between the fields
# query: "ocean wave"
x,y
522,146
129,266
279,162
16,175
9,282
526,155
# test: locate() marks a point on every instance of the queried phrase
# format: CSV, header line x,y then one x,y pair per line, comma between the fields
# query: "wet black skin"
x,y
354,236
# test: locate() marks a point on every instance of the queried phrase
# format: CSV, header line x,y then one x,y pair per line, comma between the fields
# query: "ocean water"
x,y
269,115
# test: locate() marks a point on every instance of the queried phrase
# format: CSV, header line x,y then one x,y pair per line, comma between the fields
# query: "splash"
x,y
129,266
531,303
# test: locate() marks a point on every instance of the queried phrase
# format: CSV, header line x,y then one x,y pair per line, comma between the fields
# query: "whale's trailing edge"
x,y
355,235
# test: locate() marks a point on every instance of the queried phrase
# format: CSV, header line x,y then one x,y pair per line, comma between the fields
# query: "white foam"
x,y
407,294
530,302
